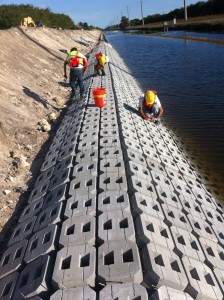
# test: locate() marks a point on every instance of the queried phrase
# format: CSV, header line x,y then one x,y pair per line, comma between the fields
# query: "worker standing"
x,y
101,60
150,107
78,65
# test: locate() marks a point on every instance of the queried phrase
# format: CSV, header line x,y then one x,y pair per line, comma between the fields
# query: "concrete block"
x,y
138,170
80,205
175,217
44,176
168,293
31,209
169,197
89,136
168,162
35,279
78,230
186,244
128,144
213,217
64,164
131,291
214,253
141,203
107,142
116,225
87,144
12,258
152,230
200,228
22,231
113,201
112,165
90,128
202,283
80,185
49,162
80,258
161,182
7,286
113,181
42,242
111,153
71,139
110,126
85,169
59,179
51,215
162,267
57,195
67,152
87,156
39,191
119,262
84,293
142,186
219,274
132,155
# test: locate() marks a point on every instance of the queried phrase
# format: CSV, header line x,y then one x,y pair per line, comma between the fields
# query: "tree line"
x,y
201,8
12,15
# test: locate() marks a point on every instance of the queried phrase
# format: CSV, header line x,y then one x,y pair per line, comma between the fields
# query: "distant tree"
x,y
124,23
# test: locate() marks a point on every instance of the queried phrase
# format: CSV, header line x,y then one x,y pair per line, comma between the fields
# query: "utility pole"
x,y
185,10
128,17
143,23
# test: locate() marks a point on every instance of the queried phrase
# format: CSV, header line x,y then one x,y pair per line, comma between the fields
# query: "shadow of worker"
x,y
35,96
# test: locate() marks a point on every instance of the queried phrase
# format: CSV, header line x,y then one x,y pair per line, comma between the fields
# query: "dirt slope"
x,y
31,88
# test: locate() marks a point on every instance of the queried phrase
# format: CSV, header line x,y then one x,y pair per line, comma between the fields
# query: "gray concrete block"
x,y
39,191
87,156
57,195
111,153
138,170
108,142
84,169
162,182
78,230
7,286
119,262
214,253
80,185
80,258
89,136
31,209
35,279
142,186
112,165
12,258
141,203
175,217
202,283
44,176
49,162
186,244
162,267
129,144
113,181
61,178
84,293
169,197
168,162
67,152
113,201
64,164
130,291
132,155
152,230
90,128
219,274
88,144
22,231
42,242
80,205
51,215
71,139
116,225
168,293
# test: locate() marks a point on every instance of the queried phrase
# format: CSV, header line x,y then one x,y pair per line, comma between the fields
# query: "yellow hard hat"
x,y
150,97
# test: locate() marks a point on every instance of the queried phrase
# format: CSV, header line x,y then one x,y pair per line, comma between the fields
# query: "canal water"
x,y
189,78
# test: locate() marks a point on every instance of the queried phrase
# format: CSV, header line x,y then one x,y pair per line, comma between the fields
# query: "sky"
x,y
102,13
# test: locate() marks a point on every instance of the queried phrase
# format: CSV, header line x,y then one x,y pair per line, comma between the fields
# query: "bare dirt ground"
x,y
32,93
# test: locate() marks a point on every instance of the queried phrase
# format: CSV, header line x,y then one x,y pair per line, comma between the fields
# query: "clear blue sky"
x,y
102,13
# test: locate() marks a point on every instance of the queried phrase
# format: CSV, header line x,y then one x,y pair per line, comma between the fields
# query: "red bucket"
x,y
99,96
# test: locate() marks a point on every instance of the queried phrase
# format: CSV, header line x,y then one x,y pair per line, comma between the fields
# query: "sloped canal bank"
x,y
117,209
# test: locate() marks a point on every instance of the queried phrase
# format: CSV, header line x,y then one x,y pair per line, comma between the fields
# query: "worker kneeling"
x,y
100,61
150,107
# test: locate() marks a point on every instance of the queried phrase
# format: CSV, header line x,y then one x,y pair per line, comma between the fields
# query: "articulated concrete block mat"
x,y
63,164
113,181
132,155
31,210
130,291
113,201
85,169
111,153
39,191
78,230
214,253
116,225
167,293
119,262
79,293
88,144
44,176
107,142
67,152
150,229
112,165
219,273
112,132
12,259
81,205
87,155
138,170
142,186
55,196
75,267
142,203
90,128
7,286
60,179
83,185
202,283
49,162
161,267
41,243
35,279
